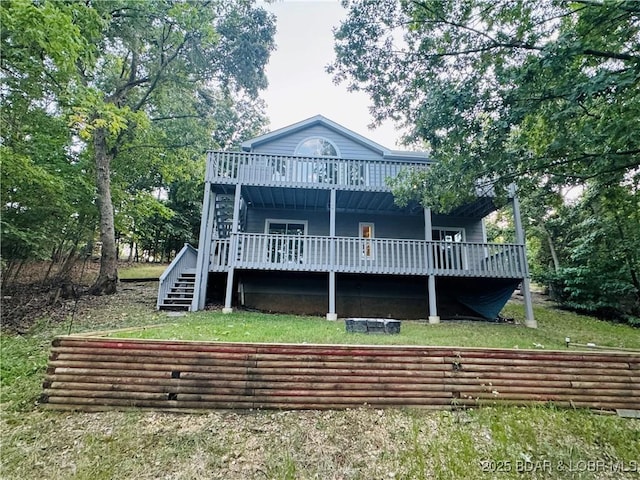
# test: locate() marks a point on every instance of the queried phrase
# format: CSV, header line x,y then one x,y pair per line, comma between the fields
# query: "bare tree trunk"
x,y
107,280
17,273
552,248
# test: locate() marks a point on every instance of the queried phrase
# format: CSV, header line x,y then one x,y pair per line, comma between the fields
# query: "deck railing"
x,y
374,256
300,171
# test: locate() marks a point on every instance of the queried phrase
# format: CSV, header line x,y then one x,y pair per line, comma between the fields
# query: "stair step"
x,y
171,306
178,297
177,301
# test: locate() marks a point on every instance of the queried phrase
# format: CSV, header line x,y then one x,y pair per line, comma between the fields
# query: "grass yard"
x,y
553,327
487,443
142,271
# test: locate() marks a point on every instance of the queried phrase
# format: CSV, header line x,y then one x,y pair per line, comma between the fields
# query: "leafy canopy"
x,y
531,93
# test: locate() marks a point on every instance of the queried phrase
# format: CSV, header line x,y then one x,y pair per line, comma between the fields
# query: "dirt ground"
x,y
31,297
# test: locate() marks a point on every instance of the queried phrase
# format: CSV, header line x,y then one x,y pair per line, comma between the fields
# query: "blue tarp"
x,y
489,303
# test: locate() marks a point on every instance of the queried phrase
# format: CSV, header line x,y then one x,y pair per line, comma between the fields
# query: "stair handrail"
x,y
186,258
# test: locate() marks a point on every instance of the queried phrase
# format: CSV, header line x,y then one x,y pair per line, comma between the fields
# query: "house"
x,y
301,220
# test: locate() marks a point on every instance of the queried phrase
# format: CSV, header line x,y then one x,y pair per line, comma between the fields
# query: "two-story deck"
x,y
314,230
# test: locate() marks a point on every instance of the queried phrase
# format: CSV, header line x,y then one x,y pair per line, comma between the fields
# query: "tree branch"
x,y
174,117
163,65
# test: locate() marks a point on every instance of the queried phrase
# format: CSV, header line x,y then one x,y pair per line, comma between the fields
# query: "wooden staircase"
x,y
224,215
180,294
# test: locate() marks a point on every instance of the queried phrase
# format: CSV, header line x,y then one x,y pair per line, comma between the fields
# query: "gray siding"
x,y
473,227
347,224
318,221
286,145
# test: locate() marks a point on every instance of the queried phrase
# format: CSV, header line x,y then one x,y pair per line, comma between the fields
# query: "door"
x,y
286,242
366,235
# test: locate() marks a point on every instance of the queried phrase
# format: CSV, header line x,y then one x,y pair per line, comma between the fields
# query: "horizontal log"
x,y
213,366
488,376
245,402
464,362
284,349
556,403
79,404
551,370
320,349
163,393
336,384
630,402
178,386
317,399
91,372
216,358
240,374
508,390
633,384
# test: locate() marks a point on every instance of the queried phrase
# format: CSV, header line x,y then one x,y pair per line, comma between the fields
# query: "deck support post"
x,y
229,293
332,314
204,249
431,278
233,249
433,309
530,320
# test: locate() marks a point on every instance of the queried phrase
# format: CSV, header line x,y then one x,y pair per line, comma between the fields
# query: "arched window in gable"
x,y
317,147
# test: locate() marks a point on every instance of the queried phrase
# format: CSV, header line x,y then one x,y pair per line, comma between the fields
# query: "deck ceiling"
x,y
346,201
318,200
480,208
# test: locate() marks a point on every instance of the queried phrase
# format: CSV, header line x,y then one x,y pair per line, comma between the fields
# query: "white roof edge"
x,y
246,145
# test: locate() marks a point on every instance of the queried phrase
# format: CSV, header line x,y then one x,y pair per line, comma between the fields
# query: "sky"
x,y
299,86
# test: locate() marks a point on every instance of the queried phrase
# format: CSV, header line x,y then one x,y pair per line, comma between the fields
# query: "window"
x,y
366,234
451,234
285,243
317,147
449,255
315,171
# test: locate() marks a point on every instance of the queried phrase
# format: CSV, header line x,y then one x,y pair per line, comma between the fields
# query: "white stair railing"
x,y
185,260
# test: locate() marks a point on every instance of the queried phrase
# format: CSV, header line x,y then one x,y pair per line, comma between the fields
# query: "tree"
x,y
46,203
147,86
543,95
599,252
531,93
150,52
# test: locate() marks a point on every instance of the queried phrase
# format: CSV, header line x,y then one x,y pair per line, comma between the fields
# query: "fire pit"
x,y
372,325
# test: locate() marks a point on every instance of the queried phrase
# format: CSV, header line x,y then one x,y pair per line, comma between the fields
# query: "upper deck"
x,y
293,171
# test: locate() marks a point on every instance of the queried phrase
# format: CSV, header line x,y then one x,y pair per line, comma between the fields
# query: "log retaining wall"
x,y
90,373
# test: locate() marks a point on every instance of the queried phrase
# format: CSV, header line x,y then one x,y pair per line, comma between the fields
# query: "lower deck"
x,y
379,256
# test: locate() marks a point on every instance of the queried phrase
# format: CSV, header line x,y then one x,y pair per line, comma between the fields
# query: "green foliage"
x,y
146,87
599,253
543,95
531,93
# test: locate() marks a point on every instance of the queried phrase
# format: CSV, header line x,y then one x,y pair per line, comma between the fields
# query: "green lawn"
x,y
142,271
553,326
357,444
